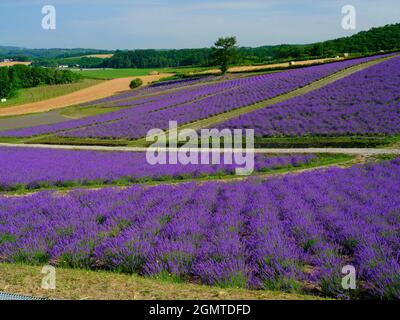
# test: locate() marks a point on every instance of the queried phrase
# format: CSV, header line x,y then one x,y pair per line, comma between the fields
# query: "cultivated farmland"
x,y
77,167
187,105
366,102
279,234
97,91
289,227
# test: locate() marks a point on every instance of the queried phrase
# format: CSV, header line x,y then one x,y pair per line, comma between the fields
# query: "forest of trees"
x,y
158,58
374,40
82,62
21,76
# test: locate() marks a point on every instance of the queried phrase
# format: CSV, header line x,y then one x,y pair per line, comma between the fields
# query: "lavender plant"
x,y
285,233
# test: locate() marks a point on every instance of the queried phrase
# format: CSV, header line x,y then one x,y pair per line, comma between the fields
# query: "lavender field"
x,y
153,89
293,232
365,103
186,105
26,168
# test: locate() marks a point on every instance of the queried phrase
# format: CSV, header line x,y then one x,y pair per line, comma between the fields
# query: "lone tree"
x,y
135,83
224,52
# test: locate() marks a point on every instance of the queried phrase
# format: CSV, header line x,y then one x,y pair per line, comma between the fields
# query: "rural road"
x,y
350,151
98,91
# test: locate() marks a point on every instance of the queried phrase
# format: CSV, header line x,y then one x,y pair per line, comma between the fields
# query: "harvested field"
x,y
45,92
12,63
271,66
99,91
101,56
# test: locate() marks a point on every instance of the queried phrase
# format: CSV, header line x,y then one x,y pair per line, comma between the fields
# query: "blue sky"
x,y
130,24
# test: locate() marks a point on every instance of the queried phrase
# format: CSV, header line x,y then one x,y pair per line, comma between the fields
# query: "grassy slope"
x,y
131,72
77,112
297,92
83,284
47,92
278,142
219,118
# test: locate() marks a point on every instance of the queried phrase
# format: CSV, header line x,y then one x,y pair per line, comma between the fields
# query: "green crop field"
x,y
132,72
47,92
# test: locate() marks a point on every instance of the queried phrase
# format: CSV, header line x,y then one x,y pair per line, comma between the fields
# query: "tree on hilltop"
x,y
224,52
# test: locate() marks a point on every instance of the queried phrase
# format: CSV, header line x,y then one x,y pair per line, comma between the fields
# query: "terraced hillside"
x,y
203,101
288,229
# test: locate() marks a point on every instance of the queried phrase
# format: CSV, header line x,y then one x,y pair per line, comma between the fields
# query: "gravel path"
x,y
350,151
27,121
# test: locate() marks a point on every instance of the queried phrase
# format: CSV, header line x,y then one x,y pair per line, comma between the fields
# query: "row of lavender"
x,y
152,89
367,102
33,168
142,106
281,233
248,91
155,112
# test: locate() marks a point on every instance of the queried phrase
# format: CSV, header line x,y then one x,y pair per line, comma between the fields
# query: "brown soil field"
x,y
271,66
101,56
99,91
10,64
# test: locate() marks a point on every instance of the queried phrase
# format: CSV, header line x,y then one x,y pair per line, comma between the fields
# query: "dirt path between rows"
x,y
99,91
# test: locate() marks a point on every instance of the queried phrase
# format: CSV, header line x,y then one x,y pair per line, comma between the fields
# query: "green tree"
x,y
135,83
224,52
7,88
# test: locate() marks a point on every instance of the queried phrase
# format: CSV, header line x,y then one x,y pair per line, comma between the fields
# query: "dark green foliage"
x,y
383,38
158,58
372,41
22,76
224,52
31,54
135,83
7,87
77,62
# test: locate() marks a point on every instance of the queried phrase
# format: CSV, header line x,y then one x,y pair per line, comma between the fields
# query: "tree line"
x,y
374,40
22,76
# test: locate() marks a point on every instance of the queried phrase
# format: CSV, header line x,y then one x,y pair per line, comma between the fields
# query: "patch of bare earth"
x,y
273,66
99,91
101,56
13,63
